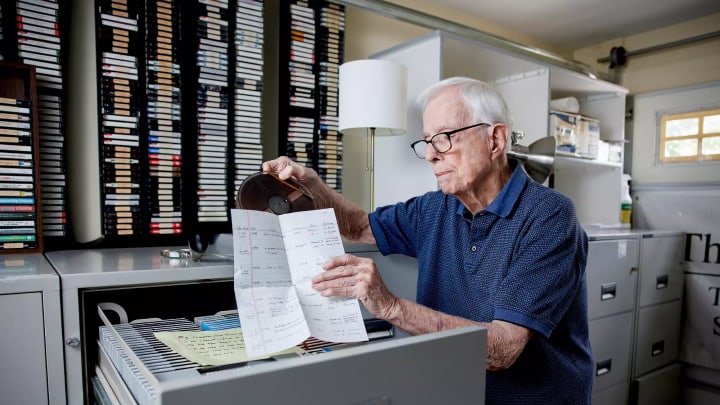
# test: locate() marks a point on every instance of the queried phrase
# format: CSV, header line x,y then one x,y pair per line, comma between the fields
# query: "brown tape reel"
x,y
267,192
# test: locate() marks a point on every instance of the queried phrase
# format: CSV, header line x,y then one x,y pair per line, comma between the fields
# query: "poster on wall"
x,y
696,212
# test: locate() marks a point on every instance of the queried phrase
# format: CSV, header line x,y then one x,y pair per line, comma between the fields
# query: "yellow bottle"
x,y
625,203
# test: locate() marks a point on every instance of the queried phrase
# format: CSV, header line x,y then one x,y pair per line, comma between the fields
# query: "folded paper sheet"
x,y
275,259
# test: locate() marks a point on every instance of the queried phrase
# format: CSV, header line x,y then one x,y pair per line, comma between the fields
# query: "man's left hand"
x,y
356,277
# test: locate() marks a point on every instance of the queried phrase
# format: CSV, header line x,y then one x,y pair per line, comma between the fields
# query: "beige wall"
x,y
693,64
367,33
672,79
670,68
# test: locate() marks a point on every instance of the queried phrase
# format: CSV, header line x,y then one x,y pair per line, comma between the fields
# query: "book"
x,y
275,258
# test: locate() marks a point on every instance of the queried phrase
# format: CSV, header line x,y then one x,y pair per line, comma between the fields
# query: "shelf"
x,y
572,163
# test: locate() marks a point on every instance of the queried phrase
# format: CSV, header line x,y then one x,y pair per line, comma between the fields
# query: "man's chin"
x,y
445,188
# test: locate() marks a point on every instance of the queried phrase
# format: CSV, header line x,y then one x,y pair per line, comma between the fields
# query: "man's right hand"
x,y
288,169
352,219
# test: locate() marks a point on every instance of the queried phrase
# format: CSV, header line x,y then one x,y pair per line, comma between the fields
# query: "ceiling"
x,y
574,24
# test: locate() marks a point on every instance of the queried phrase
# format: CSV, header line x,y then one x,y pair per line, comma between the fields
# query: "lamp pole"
x,y
371,168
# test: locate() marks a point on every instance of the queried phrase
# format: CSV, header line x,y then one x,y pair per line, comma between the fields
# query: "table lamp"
x,y
372,101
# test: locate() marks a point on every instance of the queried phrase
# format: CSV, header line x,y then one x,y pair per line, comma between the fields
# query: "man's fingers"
x,y
342,260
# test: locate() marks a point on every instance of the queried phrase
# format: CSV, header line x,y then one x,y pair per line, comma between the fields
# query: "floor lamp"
x,y
372,101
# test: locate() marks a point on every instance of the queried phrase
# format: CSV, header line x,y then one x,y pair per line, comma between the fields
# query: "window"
x,y
690,137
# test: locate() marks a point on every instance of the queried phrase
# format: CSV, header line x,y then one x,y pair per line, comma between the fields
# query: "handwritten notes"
x,y
275,258
211,348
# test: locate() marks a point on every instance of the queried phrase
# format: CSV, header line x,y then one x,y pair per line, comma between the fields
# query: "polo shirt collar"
x,y
508,196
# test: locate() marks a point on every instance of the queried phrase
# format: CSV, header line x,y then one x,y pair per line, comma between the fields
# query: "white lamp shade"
x,y
372,94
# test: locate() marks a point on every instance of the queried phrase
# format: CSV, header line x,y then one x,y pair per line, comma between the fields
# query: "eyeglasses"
x,y
440,141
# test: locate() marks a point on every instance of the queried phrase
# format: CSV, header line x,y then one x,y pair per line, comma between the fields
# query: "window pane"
x,y
685,147
683,127
711,124
711,146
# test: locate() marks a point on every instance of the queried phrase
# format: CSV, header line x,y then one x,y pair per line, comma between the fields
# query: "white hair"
x,y
482,102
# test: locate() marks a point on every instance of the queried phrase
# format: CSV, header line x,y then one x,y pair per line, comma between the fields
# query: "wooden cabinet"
x,y
527,86
20,201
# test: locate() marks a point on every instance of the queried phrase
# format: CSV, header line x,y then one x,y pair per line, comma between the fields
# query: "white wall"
x,y
647,109
667,80
669,68
367,33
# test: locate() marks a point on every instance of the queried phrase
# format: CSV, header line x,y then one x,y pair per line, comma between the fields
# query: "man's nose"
x,y
430,152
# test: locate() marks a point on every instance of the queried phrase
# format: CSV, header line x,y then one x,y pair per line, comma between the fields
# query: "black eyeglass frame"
x,y
446,133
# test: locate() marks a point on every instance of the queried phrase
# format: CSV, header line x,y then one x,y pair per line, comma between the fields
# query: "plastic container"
x,y
625,202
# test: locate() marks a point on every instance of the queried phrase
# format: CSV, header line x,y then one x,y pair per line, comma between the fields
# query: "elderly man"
x,y
493,247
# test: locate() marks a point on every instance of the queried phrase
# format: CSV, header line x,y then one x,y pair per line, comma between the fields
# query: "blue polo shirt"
x,y
520,260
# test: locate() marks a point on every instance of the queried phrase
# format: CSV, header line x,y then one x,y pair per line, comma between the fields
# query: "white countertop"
x,y
20,273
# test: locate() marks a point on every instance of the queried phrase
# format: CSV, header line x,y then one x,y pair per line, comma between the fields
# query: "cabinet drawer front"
x,y
616,395
611,277
661,270
658,336
611,341
661,387
23,373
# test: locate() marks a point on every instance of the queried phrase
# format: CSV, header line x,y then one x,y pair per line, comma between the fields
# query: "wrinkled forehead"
x,y
445,108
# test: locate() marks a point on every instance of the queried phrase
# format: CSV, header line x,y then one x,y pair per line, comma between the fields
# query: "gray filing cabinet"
x,y
31,357
149,285
611,272
635,284
656,372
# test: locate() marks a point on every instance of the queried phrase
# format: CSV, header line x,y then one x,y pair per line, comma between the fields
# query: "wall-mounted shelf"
x,y
528,86
563,163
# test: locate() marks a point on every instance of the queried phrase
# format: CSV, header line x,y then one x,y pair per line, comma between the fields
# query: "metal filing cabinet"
x,y
658,336
656,372
659,387
611,341
30,332
611,275
613,257
148,285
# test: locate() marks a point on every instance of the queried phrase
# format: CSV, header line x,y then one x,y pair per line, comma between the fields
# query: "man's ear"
x,y
499,137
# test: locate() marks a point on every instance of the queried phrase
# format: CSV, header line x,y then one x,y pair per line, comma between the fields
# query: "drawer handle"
x,y
661,282
603,367
607,291
658,348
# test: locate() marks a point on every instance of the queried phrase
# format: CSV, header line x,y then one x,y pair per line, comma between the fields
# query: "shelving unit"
x,y
168,120
20,201
310,40
527,86
33,34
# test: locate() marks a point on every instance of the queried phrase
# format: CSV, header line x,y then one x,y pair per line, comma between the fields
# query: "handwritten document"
x,y
275,258
211,348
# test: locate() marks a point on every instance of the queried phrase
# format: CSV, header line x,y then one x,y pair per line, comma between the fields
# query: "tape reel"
x,y
267,192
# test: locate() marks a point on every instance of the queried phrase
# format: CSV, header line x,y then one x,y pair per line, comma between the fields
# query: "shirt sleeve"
x,y
547,269
394,227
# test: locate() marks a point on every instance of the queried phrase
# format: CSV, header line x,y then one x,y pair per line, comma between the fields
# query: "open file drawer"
x,y
444,367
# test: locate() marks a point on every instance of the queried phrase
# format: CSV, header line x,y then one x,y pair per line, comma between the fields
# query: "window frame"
x,y
698,157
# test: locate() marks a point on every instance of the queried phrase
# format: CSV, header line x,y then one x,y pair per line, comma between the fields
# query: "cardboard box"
x,y
615,152
564,127
587,137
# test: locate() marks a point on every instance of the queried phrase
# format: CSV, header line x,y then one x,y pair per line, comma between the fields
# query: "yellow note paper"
x,y
211,348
